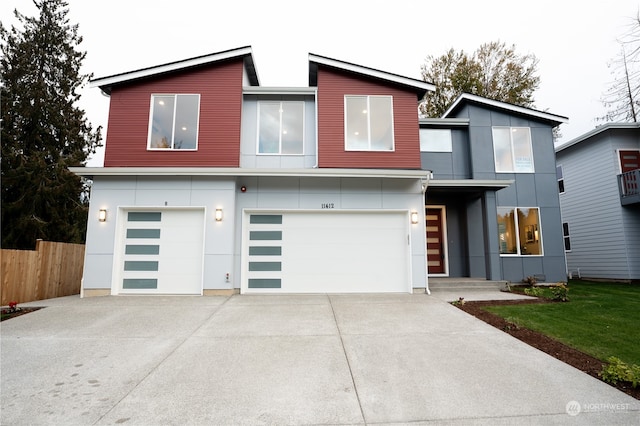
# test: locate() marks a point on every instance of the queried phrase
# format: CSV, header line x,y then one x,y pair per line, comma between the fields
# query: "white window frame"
x,y
424,146
280,129
513,157
173,130
369,149
517,227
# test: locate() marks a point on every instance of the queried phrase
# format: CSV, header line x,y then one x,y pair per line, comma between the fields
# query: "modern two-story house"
x,y
214,184
598,177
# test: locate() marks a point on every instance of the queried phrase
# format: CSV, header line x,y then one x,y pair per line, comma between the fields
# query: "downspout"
x,y
315,100
425,184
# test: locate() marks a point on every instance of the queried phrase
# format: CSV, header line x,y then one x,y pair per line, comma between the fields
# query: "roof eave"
x,y
106,83
552,118
594,132
418,86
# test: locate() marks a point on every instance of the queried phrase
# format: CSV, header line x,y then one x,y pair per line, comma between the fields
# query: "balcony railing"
x,y
629,185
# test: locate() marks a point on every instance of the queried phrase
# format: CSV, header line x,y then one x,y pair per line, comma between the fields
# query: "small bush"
x,y
533,291
560,292
459,302
619,371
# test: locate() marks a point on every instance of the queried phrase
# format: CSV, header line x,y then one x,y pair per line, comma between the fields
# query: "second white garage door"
x,y
326,252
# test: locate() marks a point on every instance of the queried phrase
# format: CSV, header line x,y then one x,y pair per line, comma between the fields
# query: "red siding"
x,y
332,86
220,89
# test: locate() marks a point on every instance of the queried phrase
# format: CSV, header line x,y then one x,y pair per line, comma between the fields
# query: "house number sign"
x,y
328,205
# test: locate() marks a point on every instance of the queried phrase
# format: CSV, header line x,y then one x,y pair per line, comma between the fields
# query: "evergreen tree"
x,y
43,132
494,71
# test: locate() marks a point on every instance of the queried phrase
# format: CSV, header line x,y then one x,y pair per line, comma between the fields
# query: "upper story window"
x,y
435,140
512,149
519,231
174,122
560,177
368,123
280,128
566,236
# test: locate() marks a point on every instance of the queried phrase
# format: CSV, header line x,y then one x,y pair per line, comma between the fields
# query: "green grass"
x,y
601,319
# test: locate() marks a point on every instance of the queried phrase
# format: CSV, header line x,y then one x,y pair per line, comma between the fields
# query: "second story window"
x,y
368,123
560,177
174,122
512,150
280,128
435,140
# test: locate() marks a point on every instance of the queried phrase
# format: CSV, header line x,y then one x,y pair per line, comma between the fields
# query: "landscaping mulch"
x,y
564,353
8,314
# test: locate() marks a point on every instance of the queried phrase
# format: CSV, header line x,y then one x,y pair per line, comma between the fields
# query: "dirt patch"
x,y
8,313
564,353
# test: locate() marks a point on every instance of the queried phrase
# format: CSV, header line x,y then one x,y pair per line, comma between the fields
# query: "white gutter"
x,y
233,172
470,183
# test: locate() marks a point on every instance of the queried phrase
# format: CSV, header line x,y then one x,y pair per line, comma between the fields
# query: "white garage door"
x,y
326,252
161,252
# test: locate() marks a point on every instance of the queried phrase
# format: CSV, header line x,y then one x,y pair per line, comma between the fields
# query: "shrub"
x,y
533,291
530,280
560,292
619,371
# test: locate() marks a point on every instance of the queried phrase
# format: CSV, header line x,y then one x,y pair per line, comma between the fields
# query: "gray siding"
x,y
450,165
538,189
605,237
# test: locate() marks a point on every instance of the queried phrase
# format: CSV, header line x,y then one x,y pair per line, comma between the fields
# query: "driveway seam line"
x,y
346,357
179,345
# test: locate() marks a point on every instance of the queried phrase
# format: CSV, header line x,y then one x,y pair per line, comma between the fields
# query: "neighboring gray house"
x,y
599,180
492,204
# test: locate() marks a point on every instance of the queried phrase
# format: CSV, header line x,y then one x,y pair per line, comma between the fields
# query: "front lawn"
x,y
601,319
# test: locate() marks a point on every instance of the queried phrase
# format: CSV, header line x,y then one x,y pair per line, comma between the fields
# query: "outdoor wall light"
x,y
218,215
414,217
102,215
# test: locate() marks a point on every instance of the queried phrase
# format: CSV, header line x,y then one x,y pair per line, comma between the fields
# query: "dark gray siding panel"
x,y
440,163
547,190
456,232
460,147
450,165
477,265
482,161
526,190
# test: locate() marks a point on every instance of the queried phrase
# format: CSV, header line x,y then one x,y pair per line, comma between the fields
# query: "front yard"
x,y
601,319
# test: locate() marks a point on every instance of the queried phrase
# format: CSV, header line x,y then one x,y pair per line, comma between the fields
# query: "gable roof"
x,y
418,86
594,132
106,83
514,109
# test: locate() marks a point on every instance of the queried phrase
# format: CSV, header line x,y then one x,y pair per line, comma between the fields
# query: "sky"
x,y
573,41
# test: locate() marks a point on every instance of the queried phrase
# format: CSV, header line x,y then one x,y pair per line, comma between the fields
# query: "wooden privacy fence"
x,y
52,270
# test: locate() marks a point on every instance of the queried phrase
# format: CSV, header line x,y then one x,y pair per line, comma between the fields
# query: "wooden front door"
x,y
436,256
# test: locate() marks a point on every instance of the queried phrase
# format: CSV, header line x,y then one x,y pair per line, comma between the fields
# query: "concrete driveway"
x,y
319,359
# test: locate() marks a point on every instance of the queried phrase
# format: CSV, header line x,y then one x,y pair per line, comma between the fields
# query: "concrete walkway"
x,y
319,359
